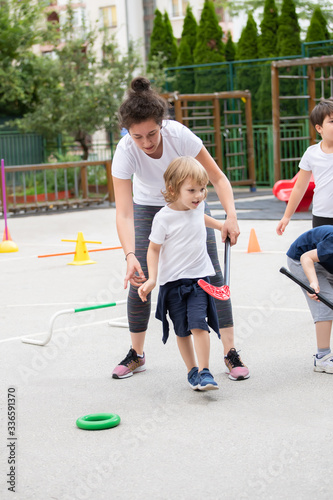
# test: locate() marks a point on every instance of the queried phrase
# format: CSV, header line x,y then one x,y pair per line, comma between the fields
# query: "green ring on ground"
x,y
98,421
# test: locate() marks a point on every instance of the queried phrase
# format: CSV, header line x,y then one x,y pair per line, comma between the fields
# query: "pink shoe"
x,y
129,365
235,367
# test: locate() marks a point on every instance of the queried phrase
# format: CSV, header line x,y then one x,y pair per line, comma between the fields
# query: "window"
x,y
179,8
108,16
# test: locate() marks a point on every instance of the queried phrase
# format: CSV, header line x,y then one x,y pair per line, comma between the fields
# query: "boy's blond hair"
x,y
178,171
320,111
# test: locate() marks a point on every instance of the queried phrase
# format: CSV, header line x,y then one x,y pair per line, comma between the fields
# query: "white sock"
x,y
323,352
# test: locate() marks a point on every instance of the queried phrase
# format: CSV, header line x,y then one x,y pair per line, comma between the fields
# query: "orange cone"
x,y
253,243
4,235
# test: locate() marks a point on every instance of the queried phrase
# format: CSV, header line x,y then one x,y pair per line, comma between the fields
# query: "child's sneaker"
x,y
192,378
324,364
235,367
206,381
129,365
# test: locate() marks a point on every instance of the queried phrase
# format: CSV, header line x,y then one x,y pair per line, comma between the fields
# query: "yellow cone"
x,y
81,253
8,246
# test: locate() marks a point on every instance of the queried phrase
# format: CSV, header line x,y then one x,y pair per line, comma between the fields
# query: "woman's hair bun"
x,y
140,84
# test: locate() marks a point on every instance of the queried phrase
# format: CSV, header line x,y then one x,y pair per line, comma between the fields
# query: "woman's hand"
x,y
134,273
230,229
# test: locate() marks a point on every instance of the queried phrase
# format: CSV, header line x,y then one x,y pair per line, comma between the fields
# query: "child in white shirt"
x,y
178,254
317,160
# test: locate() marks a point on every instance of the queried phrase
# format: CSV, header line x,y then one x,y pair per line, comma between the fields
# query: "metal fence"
x,y
20,149
263,159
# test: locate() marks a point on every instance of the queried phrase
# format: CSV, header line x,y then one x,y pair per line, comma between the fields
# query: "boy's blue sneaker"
x,y
192,378
206,381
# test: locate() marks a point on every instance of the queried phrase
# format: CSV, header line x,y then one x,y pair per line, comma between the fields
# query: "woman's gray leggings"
x,y
139,312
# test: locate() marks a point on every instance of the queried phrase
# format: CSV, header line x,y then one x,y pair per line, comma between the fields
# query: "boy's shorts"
x,y
319,311
187,307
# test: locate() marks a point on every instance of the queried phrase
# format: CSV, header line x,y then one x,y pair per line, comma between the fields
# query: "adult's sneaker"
x,y
192,378
235,367
324,364
206,381
129,365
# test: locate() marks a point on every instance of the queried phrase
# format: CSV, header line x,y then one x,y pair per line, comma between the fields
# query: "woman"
x,y
144,154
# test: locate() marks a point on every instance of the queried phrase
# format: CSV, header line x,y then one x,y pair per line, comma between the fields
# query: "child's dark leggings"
x,y
139,312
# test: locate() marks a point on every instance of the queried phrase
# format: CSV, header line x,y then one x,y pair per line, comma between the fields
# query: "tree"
x,y
170,49
190,28
247,47
267,46
21,71
156,35
162,40
230,48
248,75
209,49
288,34
209,46
304,7
185,77
82,94
317,30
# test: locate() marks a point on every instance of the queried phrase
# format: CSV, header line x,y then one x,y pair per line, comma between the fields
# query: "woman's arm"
x,y
153,255
224,192
296,195
125,229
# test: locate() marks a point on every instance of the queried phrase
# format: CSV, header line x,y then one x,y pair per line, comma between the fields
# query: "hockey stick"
x,y
306,287
220,292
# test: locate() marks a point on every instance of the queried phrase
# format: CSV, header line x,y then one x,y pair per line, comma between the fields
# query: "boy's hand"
x,y
282,225
145,289
315,286
134,273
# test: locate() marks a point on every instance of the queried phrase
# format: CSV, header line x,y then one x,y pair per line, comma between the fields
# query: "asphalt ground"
x,y
263,438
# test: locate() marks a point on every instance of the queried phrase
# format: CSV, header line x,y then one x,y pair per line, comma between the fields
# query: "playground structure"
x,y
202,114
315,78
282,190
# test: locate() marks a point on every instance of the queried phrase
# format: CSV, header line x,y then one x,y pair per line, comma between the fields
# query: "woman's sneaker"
x,y
324,364
206,381
129,365
192,378
235,367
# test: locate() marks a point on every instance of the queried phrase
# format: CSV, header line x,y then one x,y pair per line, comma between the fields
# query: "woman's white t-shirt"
x,y
148,172
182,234
321,165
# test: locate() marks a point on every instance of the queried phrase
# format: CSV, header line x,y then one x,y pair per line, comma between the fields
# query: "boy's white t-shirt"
x,y
182,234
321,165
148,172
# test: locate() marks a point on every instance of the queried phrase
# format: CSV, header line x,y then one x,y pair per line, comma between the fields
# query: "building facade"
x,y
130,20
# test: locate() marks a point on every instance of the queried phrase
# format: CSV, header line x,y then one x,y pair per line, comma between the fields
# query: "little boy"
x,y
317,160
310,259
177,253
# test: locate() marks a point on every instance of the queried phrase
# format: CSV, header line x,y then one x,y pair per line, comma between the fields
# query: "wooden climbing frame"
x,y
227,138
317,77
